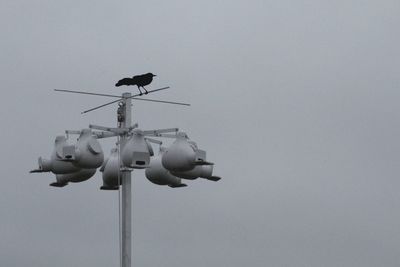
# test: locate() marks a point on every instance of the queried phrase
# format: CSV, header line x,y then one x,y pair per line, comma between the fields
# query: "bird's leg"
x,y
140,90
145,90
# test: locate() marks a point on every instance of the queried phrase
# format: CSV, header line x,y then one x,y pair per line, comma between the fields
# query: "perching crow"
x,y
138,80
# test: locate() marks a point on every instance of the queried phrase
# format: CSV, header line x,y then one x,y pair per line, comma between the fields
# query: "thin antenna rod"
x,y
85,93
117,96
115,101
161,101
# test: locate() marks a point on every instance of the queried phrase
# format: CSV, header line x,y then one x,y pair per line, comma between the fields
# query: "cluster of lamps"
x,y
72,163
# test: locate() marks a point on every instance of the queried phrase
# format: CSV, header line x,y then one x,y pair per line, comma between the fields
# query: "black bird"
x,y
138,80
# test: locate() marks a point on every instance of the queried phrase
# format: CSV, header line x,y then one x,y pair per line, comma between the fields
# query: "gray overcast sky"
x,y
295,101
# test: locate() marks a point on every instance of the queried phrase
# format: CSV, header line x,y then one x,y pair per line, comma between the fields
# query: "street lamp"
x,y
78,162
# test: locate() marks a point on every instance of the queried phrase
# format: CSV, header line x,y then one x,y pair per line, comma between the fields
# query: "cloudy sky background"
x,y
295,101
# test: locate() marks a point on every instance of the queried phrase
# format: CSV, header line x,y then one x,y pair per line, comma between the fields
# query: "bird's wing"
x,y
124,81
137,78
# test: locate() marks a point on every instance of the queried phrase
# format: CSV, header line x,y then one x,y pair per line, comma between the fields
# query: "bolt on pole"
x,y
126,197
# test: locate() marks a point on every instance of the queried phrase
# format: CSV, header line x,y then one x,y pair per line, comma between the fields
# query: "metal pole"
x,y
126,197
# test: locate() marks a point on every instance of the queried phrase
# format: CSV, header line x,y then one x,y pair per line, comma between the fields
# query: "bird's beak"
x,y
154,75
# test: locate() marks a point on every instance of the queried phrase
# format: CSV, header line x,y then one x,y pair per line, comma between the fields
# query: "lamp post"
x,y
126,197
